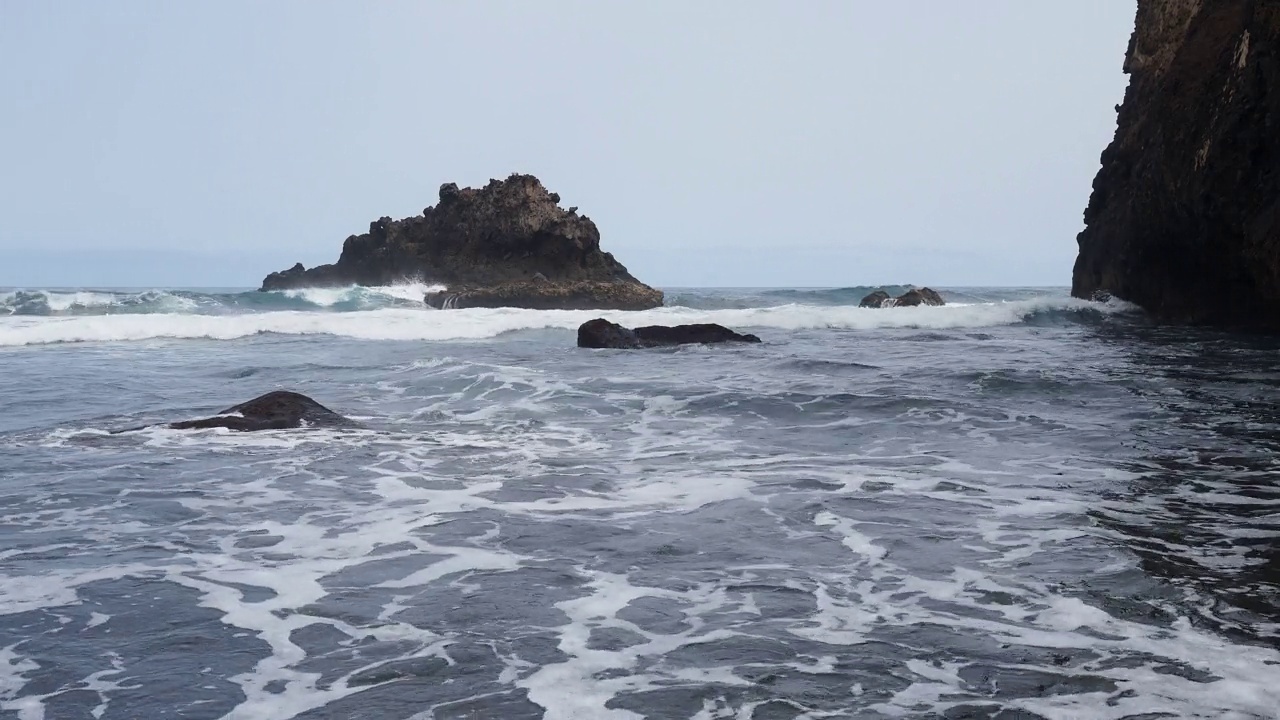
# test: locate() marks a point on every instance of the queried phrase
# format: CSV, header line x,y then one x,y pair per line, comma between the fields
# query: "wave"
x,y
357,297
835,296
399,323
744,298
144,302
90,302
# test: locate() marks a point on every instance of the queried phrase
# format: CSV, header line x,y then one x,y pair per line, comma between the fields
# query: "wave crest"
x,y
400,323
143,302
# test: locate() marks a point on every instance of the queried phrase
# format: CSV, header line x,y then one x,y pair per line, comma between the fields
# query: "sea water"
x,y
1018,505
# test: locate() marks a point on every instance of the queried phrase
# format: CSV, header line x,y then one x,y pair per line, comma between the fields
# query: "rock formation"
x,y
1184,219
876,299
274,411
918,296
506,244
544,294
910,298
601,333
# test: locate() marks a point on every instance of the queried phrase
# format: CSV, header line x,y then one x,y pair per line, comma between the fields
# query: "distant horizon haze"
x,y
744,144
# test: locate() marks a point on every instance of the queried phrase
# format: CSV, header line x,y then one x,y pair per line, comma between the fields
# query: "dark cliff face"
x,y
1183,219
510,233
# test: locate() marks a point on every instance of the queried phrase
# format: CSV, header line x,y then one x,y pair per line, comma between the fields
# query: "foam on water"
x,y
840,527
364,297
476,324
95,303
86,302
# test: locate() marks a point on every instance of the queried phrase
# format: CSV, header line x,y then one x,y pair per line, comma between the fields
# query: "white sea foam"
x,y
426,509
477,324
61,302
328,297
93,303
12,669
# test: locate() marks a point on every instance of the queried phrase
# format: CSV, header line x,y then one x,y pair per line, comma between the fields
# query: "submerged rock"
x,y
910,298
1184,219
601,333
508,244
277,410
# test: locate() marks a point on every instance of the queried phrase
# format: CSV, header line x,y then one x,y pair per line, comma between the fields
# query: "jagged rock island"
x,y
508,244
1184,219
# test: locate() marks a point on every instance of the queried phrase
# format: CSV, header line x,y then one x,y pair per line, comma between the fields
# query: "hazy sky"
x,y
713,142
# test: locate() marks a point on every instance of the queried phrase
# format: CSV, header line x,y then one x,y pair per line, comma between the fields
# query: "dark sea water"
x,y
1016,506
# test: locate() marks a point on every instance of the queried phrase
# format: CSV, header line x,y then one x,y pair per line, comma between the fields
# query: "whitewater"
x,y
398,313
1017,505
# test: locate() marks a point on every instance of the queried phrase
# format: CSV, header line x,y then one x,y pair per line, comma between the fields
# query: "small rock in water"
x,y
875,299
910,298
918,296
601,333
276,410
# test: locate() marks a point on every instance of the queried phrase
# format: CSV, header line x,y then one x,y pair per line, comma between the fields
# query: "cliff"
x,y
508,243
1183,217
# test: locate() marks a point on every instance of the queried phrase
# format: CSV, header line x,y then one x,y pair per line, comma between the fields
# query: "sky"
x,y
717,143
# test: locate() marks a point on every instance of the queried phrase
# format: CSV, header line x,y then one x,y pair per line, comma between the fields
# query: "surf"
x,y
424,324
136,301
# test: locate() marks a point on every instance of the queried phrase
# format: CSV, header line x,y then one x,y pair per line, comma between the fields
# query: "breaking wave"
x,y
79,303
741,298
422,323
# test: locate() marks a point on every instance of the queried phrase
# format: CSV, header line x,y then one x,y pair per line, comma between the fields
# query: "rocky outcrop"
x,y
601,333
547,295
277,410
879,298
506,244
918,296
1184,219
910,298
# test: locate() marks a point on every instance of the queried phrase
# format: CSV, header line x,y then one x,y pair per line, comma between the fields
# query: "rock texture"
x,y
918,296
547,295
277,410
910,298
601,333
506,244
879,298
1184,218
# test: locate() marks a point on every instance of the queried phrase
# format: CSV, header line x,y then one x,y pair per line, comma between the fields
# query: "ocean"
x,y
1018,505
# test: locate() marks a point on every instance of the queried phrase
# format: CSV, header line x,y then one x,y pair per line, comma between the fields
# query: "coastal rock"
x,y
601,333
1184,219
911,298
918,296
277,410
543,294
508,244
875,299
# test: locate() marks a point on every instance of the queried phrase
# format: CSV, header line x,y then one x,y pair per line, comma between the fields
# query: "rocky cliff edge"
x,y
1183,219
